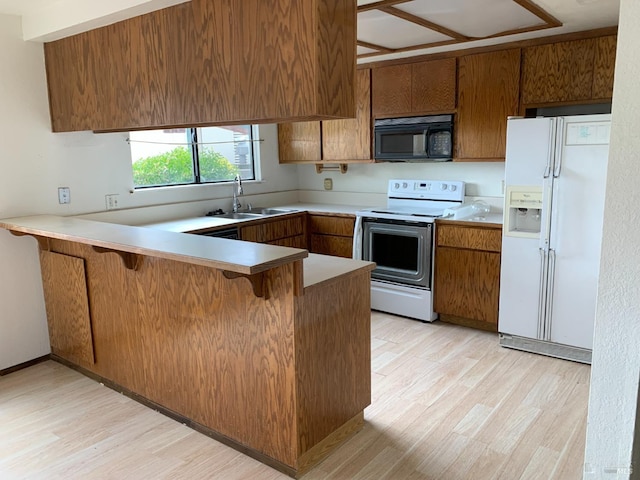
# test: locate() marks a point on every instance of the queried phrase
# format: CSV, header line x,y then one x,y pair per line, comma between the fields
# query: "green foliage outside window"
x,y
176,167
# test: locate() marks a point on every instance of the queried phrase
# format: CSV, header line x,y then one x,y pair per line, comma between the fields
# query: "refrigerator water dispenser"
x,y
523,211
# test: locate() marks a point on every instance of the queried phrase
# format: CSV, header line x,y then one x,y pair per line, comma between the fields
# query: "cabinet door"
x,y
603,67
270,231
488,93
433,86
558,72
391,90
467,284
299,142
67,304
351,139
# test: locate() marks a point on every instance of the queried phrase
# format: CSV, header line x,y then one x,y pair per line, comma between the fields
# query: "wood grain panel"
x,y
67,307
299,142
488,93
331,245
271,230
604,67
202,62
467,284
351,139
331,225
558,72
73,81
333,356
433,86
299,241
475,238
391,90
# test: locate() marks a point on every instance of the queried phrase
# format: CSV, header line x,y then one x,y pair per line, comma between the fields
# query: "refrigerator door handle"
x,y
549,289
550,152
542,294
559,141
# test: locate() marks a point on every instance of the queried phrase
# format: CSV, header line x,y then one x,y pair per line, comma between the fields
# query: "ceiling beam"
x,y
415,47
539,12
373,46
423,22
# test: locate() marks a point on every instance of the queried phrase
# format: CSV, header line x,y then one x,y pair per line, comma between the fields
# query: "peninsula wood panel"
x,y
391,90
488,93
201,62
433,86
67,306
351,139
558,72
299,142
604,67
467,284
333,347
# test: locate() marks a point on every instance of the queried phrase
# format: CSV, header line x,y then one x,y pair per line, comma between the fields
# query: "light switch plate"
x,y
64,195
328,184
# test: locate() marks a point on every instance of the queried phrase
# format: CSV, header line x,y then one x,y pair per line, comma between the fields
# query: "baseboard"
x,y
24,365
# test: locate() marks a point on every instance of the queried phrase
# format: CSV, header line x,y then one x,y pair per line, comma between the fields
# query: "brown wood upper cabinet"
x,y
568,72
332,141
413,89
207,62
488,92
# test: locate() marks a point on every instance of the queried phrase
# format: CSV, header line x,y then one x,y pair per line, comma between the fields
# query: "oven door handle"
x,y
357,239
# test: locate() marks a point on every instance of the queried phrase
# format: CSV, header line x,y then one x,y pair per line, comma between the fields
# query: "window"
x,y
183,156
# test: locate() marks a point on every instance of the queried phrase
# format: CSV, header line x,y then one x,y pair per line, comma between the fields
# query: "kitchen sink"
x,y
240,215
275,211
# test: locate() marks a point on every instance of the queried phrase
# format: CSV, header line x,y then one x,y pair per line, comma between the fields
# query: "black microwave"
x,y
414,139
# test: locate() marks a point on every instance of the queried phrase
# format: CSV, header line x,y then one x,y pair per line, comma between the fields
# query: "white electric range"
x,y
399,238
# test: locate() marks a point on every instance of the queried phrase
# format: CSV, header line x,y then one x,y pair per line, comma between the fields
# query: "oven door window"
x,y
402,252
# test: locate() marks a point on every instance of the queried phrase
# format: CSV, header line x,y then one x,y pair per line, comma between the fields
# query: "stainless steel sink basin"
x,y
275,211
239,215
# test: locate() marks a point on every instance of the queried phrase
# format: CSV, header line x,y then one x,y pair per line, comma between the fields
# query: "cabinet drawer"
x,y
487,239
274,230
329,225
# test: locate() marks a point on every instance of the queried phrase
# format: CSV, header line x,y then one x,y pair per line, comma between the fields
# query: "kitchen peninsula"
x,y
264,348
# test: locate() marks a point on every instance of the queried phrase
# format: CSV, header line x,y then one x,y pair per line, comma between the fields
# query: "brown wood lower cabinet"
x,y
467,273
331,234
289,231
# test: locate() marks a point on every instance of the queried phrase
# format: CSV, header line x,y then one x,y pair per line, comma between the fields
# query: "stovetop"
x,y
418,200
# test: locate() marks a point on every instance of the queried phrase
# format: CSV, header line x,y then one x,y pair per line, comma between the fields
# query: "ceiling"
x,y
386,29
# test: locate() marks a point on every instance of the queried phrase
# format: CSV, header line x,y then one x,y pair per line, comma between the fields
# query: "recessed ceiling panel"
x,y
392,32
473,18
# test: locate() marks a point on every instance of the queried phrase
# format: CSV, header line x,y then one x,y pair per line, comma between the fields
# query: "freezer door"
x,y
576,230
530,147
522,287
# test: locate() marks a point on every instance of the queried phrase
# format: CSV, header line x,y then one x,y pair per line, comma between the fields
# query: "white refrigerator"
x,y
555,176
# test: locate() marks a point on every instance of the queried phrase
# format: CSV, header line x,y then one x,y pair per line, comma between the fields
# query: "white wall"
x,y
34,162
616,355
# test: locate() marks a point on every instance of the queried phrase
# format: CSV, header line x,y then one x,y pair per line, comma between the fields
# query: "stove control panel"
x,y
426,189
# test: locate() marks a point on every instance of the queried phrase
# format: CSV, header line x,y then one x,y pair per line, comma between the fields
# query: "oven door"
x,y
401,250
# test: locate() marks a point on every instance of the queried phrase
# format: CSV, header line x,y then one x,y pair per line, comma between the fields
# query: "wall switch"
x,y
111,201
328,184
64,195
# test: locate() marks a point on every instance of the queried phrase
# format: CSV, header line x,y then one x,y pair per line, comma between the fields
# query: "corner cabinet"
x,y
580,71
207,62
331,234
331,141
467,273
488,93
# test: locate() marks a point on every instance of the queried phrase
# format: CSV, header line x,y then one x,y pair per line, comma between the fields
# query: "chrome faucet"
x,y
237,191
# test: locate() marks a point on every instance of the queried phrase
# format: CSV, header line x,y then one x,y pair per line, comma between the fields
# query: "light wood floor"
x,y
448,403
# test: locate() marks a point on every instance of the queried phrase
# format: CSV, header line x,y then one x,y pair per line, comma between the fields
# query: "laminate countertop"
x,y
221,253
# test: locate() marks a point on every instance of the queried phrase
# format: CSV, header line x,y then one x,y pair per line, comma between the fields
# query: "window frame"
x,y
192,134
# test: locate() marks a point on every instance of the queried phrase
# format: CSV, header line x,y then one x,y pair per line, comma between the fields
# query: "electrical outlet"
x,y
64,195
111,201
328,184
